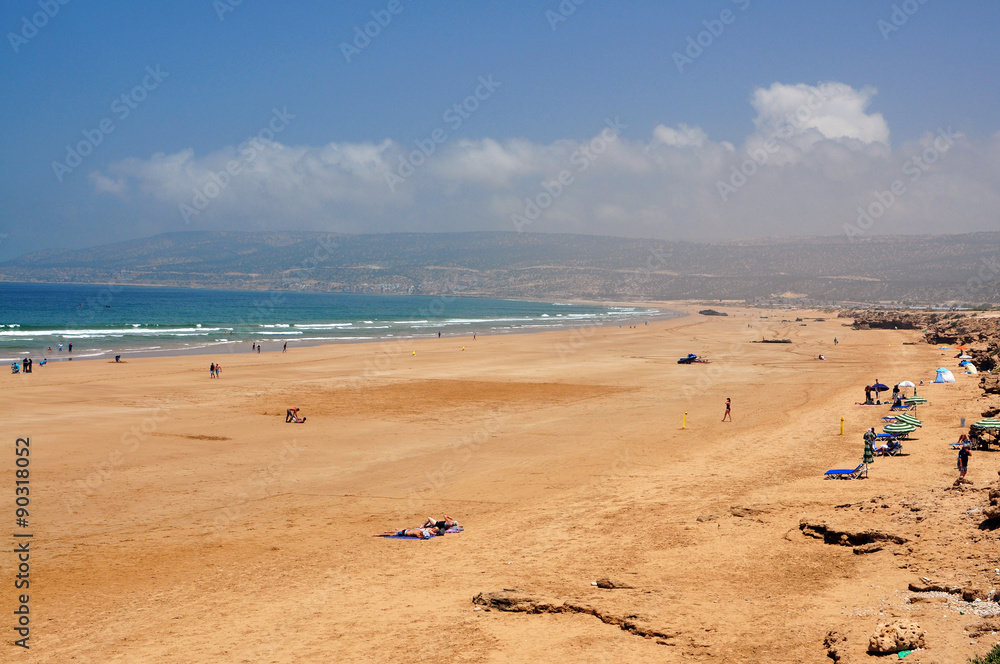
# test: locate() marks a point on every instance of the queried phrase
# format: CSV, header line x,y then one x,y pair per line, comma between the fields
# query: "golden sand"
x,y
180,519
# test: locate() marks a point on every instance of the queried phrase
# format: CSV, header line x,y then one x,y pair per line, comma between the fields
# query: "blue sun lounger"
x,y
846,473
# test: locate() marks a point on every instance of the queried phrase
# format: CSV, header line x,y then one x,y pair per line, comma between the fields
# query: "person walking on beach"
x,y
258,349
835,342
218,369
211,370
284,347
729,410
71,346
963,461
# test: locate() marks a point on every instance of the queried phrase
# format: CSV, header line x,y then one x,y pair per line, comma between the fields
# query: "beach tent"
x,y
944,376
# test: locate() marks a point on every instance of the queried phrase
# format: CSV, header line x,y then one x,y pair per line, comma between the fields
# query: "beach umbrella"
x,y
907,383
988,423
880,387
915,401
906,418
898,427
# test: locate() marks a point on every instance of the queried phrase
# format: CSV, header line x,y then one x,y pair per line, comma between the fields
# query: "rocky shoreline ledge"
x,y
980,331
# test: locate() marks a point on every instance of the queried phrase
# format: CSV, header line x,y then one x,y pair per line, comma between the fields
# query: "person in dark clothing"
x,y
963,461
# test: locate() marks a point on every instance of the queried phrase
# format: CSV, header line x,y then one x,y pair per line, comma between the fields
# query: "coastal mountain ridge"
x,y
906,269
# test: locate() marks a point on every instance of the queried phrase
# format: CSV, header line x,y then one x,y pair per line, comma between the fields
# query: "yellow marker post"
x,y
684,421
841,426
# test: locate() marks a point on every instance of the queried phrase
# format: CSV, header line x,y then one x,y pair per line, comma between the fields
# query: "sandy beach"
x,y
180,519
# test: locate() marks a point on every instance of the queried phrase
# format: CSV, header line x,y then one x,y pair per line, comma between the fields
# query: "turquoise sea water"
x,y
103,321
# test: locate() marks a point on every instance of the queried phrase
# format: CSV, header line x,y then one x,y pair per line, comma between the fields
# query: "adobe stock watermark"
x,y
122,108
987,272
372,29
248,150
454,117
256,487
582,158
106,296
758,156
713,30
30,27
130,441
223,7
562,12
901,13
913,168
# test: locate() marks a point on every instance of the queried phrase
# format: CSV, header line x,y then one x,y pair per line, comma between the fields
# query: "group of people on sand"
x,y
214,370
431,528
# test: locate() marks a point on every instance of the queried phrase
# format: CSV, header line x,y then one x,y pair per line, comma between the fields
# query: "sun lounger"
x,y
900,409
892,448
846,473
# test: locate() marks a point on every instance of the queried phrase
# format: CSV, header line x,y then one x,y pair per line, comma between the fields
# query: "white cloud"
x,y
819,156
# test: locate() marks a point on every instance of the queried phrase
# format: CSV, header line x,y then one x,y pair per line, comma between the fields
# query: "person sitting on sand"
x,y
887,449
292,415
820,358
420,533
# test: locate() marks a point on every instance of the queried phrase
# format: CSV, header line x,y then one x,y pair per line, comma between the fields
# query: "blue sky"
x,y
345,125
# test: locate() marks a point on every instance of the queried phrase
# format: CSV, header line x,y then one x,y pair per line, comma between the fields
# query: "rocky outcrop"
x,y
517,602
990,384
894,637
847,537
878,319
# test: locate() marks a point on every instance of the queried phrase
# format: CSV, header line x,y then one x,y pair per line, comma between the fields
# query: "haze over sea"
x,y
107,320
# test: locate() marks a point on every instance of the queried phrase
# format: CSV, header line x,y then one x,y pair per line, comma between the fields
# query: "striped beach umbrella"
x,y
906,418
915,400
988,423
898,428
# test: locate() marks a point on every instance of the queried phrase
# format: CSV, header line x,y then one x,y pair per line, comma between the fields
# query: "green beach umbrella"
x,y
899,427
915,400
988,423
906,418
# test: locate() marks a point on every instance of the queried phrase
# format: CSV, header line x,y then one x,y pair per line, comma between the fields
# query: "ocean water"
x,y
103,321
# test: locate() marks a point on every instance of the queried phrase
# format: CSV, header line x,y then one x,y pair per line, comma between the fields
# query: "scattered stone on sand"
x,y
610,584
895,636
928,599
833,642
925,585
707,517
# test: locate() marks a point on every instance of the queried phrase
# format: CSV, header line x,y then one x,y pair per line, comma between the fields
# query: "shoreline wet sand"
x,y
180,519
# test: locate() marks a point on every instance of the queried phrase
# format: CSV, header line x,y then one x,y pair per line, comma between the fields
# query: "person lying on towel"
x,y
420,533
444,525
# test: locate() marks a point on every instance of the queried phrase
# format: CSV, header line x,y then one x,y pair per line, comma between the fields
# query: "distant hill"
x,y
911,269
